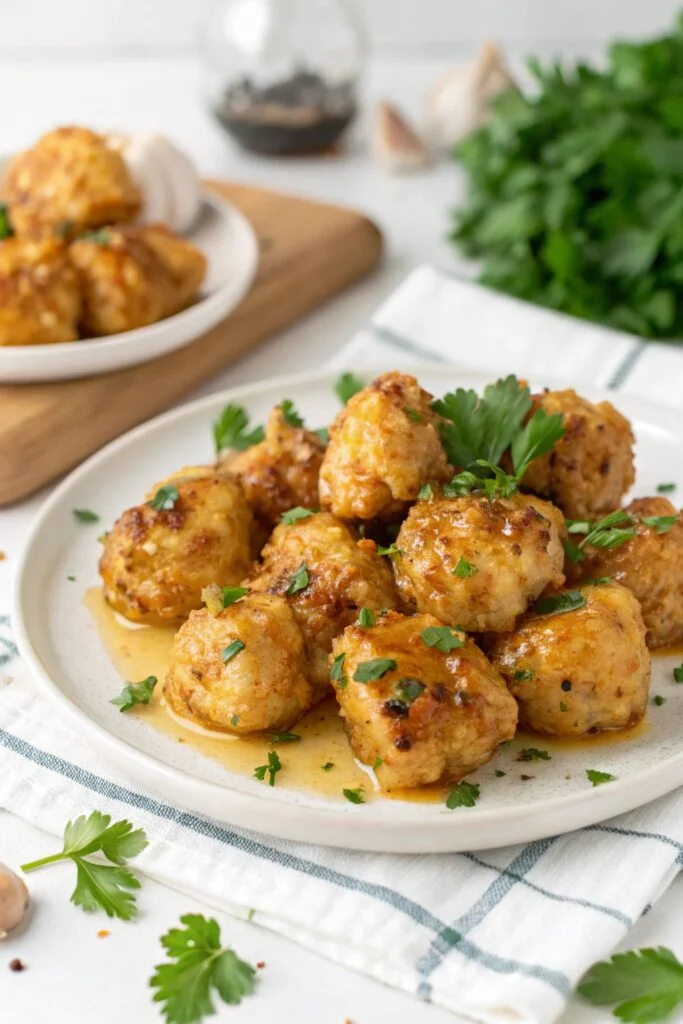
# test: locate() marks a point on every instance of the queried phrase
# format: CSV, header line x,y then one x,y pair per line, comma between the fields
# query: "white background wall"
x,y
395,26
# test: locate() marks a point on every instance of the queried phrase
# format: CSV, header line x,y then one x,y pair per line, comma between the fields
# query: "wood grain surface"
x,y
309,252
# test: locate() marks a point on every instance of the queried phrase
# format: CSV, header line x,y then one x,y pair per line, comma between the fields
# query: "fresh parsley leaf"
x,y
229,652
610,532
462,484
597,581
229,595
573,552
230,430
412,414
135,693
64,230
6,230
71,579
426,492
298,581
289,413
164,499
441,637
284,737
355,796
100,886
464,569
86,515
557,604
197,966
296,514
563,706
523,675
678,674
662,524
235,720
377,763
323,435
328,766
369,671
658,700
538,437
366,618
482,427
533,754
647,985
347,386
408,690
271,769
499,773
597,778
337,670
392,551
665,488
100,237
463,794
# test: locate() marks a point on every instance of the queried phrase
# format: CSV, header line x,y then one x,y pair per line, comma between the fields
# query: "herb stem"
x,y
32,865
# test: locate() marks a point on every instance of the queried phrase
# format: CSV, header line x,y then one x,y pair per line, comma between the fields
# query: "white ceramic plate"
x,y
60,642
230,245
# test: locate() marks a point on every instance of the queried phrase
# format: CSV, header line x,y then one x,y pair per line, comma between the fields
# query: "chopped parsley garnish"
x,y
658,700
523,675
101,237
563,706
568,601
289,413
235,720
135,693
6,230
678,673
392,551
284,737
337,670
369,671
327,767
164,499
413,414
499,773
86,515
229,595
297,581
377,763
197,966
71,579
355,796
662,524
665,488
230,430
409,690
271,769
426,492
229,652
323,435
463,794
608,533
441,637
64,230
295,514
647,985
533,754
464,569
598,581
366,618
347,386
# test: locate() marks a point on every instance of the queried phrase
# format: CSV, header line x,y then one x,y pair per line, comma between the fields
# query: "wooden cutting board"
x,y
309,252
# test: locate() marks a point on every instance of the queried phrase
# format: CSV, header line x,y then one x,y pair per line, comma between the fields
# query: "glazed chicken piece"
x,y
69,181
582,671
383,448
650,565
591,468
282,471
156,561
326,575
428,714
241,670
40,302
476,562
132,276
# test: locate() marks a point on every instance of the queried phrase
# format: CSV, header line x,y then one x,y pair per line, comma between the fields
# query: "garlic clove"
x,y
457,103
13,900
395,144
166,177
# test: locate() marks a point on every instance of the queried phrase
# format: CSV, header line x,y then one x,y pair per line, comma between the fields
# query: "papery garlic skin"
x,y
457,103
13,900
168,180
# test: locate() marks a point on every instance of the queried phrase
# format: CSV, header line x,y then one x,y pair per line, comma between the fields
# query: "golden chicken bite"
x,y
326,575
241,671
591,467
70,180
579,671
479,563
40,301
428,713
156,561
650,565
282,471
131,276
383,448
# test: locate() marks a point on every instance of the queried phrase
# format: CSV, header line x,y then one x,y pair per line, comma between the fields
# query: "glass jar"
x,y
282,76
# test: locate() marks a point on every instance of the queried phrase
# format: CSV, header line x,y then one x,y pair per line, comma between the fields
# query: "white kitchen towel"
x,y
496,937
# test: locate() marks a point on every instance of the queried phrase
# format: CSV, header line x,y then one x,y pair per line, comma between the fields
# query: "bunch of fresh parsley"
x,y
576,189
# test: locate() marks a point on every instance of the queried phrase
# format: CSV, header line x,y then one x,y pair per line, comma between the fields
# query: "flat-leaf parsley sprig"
x,y
100,886
646,985
198,964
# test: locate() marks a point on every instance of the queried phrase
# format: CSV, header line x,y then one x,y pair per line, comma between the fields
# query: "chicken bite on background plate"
x,y
420,702
40,300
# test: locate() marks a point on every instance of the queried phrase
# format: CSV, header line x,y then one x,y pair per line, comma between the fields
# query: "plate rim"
x,y
361,832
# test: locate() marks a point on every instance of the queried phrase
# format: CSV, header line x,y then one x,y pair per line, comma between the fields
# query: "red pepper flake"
x,y
103,933
261,964
17,965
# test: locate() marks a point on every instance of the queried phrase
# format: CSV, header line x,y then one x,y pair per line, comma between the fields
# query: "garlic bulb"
x,y
167,178
395,144
13,900
457,102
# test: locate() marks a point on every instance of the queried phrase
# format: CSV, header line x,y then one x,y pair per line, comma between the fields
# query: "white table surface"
x,y
74,977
